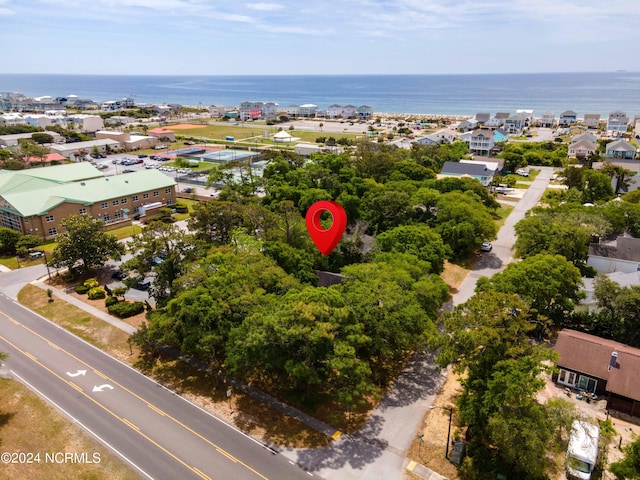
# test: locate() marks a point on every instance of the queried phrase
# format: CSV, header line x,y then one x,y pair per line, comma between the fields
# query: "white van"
x,y
583,450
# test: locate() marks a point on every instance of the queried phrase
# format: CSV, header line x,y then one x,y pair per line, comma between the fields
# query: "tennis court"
x,y
226,156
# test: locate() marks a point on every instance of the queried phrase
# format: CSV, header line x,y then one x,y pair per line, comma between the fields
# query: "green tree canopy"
x,y
166,250
306,341
85,241
549,283
629,467
419,240
488,336
463,222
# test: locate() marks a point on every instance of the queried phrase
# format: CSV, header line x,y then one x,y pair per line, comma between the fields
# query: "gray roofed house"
x,y
591,120
502,115
568,117
481,141
623,255
515,124
585,136
468,124
478,171
581,148
483,117
620,149
430,139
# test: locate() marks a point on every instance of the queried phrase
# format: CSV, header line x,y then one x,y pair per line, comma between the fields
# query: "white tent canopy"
x,y
282,136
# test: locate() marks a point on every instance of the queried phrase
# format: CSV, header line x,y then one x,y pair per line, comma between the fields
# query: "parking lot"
x,y
123,163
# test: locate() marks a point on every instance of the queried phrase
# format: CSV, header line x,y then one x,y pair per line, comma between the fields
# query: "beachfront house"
x,y
349,111
567,118
617,123
479,171
308,110
620,149
481,141
364,112
515,124
547,120
257,110
591,120
334,111
600,366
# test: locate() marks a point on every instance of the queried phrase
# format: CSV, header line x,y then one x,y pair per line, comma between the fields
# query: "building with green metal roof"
x,y
35,201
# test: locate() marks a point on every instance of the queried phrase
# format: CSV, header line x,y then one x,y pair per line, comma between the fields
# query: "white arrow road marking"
x,y
102,387
78,372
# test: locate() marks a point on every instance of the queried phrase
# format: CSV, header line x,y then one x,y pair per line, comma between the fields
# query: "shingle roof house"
x,y
478,171
600,366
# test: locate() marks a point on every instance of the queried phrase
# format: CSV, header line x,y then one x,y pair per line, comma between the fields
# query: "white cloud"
x,y
267,7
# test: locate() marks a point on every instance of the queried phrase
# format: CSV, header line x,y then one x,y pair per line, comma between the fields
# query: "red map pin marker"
x,y
326,240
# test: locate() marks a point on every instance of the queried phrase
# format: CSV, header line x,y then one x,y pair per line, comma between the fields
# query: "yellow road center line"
x,y
219,449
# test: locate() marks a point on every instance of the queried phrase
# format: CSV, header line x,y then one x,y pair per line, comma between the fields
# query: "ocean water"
x,y
437,94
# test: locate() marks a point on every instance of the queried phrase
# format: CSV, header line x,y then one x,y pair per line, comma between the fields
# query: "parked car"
x,y
523,172
142,155
187,190
142,286
486,246
119,275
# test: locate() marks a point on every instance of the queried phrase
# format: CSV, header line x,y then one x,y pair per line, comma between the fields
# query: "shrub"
x,y
96,293
92,283
181,208
110,301
82,289
126,309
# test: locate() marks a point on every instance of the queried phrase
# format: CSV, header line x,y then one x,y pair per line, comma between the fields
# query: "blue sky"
x,y
318,36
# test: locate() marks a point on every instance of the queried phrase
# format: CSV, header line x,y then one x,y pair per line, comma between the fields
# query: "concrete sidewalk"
x,y
87,308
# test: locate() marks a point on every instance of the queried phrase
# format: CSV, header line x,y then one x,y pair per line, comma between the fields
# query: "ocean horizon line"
x,y
436,93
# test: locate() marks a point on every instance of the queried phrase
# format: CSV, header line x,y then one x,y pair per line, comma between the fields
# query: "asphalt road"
x,y
496,260
160,434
